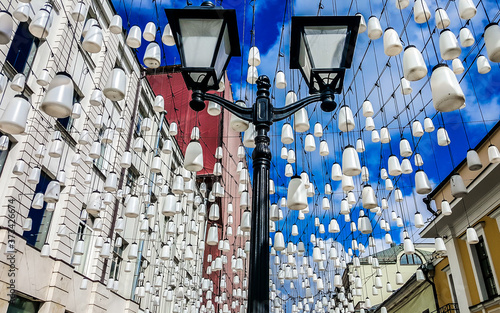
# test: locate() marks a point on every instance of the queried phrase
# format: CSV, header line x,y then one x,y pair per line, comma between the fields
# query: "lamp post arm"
x,y
282,113
239,111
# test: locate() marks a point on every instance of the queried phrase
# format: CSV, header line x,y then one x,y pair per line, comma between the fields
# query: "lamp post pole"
x,y
258,288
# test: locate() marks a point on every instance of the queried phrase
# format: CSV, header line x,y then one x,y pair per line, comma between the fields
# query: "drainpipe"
x,y
141,244
427,200
123,172
427,269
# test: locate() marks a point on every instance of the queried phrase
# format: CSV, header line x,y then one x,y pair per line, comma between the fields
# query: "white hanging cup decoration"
x,y
296,194
414,67
159,104
168,37
323,148
194,157
447,95
367,108
116,85
448,45
492,41
58,101
392,43
254,56
472,237
473,161
466,9
345,119
237,124
152,56
442,137
417,129
369,198
280,80
422,183
6,27
301,121
466,37
374,28
405,86
385,135
252,75
309,143
493,154
249,136
362,23
394,167
18,82
360,145
22,12
369,124
421,12
213,108
483,66
134,39
402,4
442,18
405,148
15,115
350,162
115,26
428,125
458,67
149,33
458,189
318,130
42,21
92,42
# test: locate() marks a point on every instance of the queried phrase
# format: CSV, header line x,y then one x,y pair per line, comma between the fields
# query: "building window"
x,y
40,218
485,272
67,122
23,305
85,232
3,156
117,260
100,162
22,50
139,118
132,176
453,291
411,259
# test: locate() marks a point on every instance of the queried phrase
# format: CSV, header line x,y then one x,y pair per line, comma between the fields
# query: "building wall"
x,y
441,281
215,131
468,176
389,270
55,281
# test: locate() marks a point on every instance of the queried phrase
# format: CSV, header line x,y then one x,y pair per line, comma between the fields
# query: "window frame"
x,y
412,256
30,58
451,283
117,259
46,217
85,230
476,267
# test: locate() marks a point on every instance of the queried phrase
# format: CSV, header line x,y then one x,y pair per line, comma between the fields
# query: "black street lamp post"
x,y
321,47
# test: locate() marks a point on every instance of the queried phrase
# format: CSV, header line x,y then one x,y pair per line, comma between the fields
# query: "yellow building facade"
x,y
468,274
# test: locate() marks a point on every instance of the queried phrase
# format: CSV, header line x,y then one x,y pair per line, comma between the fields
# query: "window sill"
x,y
65,134
485,304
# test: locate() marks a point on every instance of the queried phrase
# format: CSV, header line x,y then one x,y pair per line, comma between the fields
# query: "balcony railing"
x,y
448,308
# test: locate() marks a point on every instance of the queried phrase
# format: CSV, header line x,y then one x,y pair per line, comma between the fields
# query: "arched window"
x,y
411,259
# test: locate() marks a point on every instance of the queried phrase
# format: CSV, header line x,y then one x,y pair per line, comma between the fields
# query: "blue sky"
x,y
465,127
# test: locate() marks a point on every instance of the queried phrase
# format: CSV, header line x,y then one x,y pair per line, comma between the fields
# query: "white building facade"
x,y
83,229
